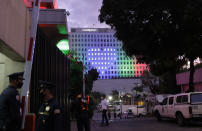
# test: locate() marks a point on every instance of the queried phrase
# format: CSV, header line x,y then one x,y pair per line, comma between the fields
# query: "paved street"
x,y
142,124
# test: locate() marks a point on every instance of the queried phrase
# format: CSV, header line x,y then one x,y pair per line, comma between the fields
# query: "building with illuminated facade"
x,y
102,50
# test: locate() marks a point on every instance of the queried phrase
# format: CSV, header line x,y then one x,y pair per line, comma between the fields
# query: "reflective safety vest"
x,y
84,105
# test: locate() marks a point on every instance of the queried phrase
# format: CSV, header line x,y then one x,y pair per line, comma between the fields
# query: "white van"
x,y
139,110
182,107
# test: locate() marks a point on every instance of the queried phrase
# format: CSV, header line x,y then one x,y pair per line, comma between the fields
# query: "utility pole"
x,y
84,87
137,103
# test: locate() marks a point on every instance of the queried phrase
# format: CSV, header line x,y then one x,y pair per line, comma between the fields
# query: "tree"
x,y
76,79
151,81
90,77
96,97
115,95
158,85
76,83
76,76
138,89
157,32
192,26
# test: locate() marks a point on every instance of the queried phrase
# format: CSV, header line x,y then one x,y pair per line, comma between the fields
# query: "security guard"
x,y
10,115
49,117
82,106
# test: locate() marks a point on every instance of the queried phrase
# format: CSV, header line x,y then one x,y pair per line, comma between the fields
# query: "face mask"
x,y
42,93
19,85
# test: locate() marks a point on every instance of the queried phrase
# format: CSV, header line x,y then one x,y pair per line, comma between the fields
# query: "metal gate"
x,y
51,65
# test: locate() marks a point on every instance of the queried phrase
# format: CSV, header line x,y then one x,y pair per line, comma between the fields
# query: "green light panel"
x,y
62,29
63,46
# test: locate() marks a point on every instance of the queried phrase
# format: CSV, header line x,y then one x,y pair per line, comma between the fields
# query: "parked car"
x,y
111,107
139,110
182,107
136,110
128,114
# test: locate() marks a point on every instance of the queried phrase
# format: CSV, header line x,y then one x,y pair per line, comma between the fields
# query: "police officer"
x,y
49,117
82,106
10,115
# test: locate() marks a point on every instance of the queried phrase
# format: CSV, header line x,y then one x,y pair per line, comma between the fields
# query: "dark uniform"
x,y
49,117
10,108
83,113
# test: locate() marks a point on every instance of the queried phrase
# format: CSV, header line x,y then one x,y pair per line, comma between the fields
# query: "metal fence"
x,y
50,65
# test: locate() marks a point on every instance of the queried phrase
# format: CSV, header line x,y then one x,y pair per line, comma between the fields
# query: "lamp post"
x,y
136,85
137,103
83,76
120,96
110,98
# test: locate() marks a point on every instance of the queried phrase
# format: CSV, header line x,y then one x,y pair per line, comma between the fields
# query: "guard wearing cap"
x,y
49,117
10,115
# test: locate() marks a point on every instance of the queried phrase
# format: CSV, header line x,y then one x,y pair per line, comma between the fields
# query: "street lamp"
x,y
136,85
110,98
84,86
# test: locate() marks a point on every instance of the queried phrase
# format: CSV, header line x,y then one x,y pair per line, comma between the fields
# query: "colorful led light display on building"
x,y
104,52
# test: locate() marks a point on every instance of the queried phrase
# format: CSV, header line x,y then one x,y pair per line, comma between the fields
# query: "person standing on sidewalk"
x,y
104,106
10,113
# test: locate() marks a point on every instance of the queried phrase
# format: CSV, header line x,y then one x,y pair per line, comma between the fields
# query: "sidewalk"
x,y
94,126
117,125
141,124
